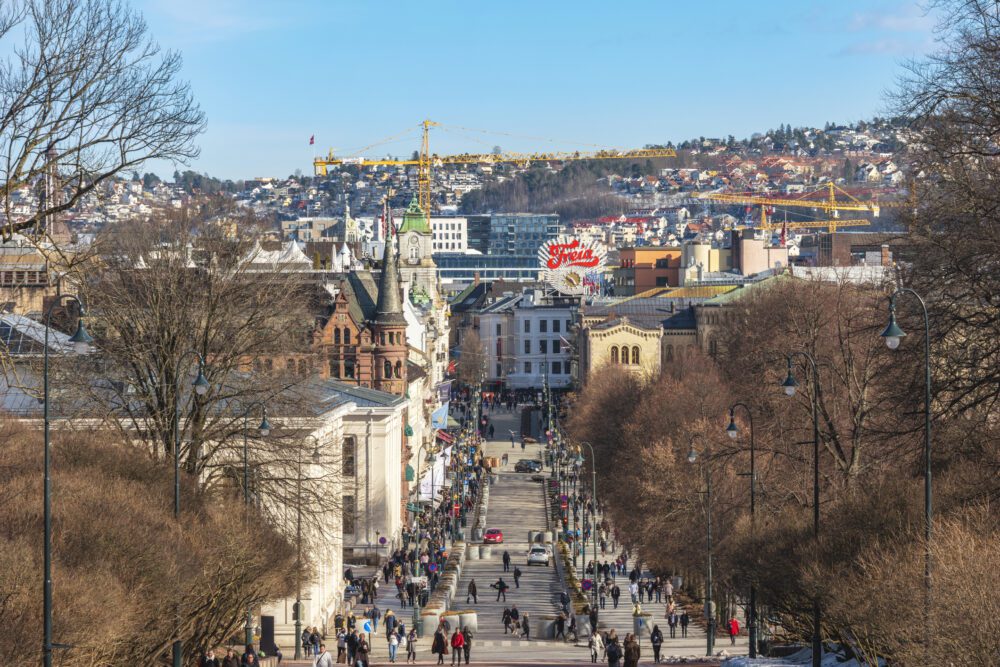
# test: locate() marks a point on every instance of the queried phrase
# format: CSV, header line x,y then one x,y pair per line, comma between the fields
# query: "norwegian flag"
x,y
312,139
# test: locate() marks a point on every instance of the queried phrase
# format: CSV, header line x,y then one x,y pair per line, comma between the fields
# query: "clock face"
x,y
414,240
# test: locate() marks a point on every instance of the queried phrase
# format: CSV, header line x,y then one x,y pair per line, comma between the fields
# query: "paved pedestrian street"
x,y
517,505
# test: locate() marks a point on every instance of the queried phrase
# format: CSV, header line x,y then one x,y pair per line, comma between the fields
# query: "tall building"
x,y
450,234
521,234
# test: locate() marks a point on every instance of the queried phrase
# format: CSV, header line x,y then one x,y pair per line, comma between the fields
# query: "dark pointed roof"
x,y
390,300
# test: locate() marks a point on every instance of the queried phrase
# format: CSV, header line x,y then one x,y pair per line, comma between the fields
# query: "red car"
x,y
493,536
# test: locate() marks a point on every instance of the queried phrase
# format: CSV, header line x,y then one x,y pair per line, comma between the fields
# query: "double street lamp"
x,y
298,542
893,335
790,385
200,386
80,341
709,604
593,516
733,432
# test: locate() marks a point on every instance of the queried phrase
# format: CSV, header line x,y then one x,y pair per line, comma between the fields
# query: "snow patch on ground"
x,y
803,657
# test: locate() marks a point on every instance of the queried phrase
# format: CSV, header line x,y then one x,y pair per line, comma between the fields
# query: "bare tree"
x,y
472,359
85,94
174,297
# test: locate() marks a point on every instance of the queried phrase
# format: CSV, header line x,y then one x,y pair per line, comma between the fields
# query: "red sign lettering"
x,y
571,254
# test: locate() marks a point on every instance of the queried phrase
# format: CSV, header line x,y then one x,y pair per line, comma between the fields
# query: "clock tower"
x,y
416,247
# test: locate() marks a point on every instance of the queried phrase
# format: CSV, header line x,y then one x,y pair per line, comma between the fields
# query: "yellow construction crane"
x,y
426,161
830,204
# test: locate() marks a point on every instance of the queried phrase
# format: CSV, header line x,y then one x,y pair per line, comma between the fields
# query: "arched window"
x,y
399,369
349,368
614,355
386,370
713,347
635,355
347,336
336,336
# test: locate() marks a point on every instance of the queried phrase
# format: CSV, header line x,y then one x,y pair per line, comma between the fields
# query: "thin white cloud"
x,y
888,46
907,17
206,20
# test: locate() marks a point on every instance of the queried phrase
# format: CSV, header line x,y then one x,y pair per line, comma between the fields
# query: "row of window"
x,y
543,326
543,346
554,368
624,355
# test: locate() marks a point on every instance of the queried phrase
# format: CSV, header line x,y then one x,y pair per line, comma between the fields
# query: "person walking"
x,y
613,651
525,628
602,594
685,619
631,651
560,626
506,561
325,659
361,659
457,642
592,617
230,660
467,644
501,587
341,646
505,619
564,601
471,592
672,622
734,630
390,623
517,577
352,646
615,594
208,659
668,590
656,639
440,645
633,591
411,646
393,646
596,645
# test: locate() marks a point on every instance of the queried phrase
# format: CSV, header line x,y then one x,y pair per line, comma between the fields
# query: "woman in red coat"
x,y
734,630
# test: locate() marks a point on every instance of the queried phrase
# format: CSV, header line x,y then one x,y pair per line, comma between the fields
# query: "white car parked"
x,y
538,555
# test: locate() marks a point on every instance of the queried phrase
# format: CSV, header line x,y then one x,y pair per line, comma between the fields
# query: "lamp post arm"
x,y
753,523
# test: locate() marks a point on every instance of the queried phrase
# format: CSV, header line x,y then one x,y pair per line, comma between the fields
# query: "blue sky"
x,y
534,75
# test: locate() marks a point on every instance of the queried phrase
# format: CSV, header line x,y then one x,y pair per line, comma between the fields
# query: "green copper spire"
x,y
414,219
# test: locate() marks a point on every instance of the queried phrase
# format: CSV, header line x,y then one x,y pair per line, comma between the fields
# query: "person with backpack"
x,y
656,639
613,651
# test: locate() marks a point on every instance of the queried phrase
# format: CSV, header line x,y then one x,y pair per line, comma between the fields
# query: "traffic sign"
x,y
432,567
587,584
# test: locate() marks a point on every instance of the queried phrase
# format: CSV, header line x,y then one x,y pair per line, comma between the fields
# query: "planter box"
x,y
485,551
473,551
470,620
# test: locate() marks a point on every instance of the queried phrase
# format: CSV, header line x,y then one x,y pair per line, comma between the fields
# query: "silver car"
x,y
538,555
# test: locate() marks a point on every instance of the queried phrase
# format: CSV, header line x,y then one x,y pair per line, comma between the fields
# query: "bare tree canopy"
x,y
86,86
954,100
472,359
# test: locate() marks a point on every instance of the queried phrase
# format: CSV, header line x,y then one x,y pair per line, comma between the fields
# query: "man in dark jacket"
x,y
467,646
506,561
501,587
615,594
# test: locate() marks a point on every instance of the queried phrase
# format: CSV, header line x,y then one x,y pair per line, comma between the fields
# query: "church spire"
x,y
390,303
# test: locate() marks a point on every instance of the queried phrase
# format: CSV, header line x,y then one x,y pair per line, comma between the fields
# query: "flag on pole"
x,y
312,139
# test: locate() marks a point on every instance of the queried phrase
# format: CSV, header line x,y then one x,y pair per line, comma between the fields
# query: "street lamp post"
x,y
593,532
709,603
298,545
80,340
201,386
733,431
789,385
264,430
893,335
430,460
